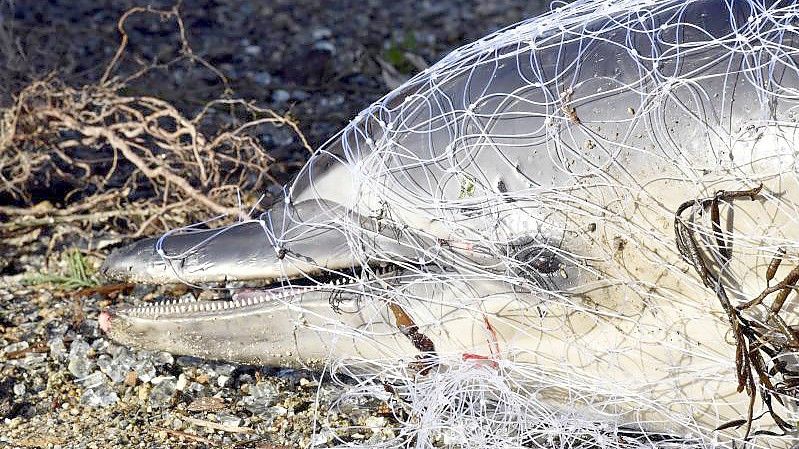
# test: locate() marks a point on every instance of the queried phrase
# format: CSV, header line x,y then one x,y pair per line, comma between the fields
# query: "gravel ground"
x,y
62,384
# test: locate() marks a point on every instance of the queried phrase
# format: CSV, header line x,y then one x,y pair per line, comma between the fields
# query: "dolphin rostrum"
x,y
607,192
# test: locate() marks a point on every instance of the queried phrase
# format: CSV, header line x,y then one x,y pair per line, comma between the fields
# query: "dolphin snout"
x,y
283,243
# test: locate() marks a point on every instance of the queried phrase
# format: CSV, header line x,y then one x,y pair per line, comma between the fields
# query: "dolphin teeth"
x,y
284,289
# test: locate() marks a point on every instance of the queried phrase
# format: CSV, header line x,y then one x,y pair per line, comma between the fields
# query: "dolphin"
x,y
607,193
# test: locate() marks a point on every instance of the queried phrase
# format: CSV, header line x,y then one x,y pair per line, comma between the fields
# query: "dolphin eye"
x,y
541,259
545,262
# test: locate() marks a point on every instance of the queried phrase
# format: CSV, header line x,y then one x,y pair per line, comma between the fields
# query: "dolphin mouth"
x,y
293,267
290,322
241,297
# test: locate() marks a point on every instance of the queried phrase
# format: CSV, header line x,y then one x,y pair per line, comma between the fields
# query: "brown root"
x,y
102,154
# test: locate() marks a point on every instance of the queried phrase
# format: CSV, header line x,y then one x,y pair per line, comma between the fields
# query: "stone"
x,y
94,379
116,368
79,363
280,96
58,351
99,396
252,50
144,369
161,395
15,347
19,389
228,419
261,397
262,78
182,382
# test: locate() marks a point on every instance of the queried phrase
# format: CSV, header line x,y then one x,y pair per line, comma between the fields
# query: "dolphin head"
x,y
561,193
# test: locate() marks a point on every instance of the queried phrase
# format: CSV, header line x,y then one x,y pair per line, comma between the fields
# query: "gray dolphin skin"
x,y
607,194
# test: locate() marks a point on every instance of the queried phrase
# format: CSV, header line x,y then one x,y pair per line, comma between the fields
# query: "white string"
x,y
438,179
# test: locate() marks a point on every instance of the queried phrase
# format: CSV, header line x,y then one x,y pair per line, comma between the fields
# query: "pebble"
x,y
376,423
58,350
163,358
280,96
320,33
227,419
99,396
144,369
182,382
252,50
300,95
221,381
325,46
118,367
261,397
130,378
143,392
94,379
322,437
79,363
262,78
177,424
31,359
14,347
162,393
205,404
278,410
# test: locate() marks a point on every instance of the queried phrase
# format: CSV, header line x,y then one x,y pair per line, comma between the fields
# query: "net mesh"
x,y
580,231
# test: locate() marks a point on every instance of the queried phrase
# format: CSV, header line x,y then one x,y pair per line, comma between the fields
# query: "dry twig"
x,y
130,158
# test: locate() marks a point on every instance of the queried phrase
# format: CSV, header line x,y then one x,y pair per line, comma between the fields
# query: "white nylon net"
x,y
562,235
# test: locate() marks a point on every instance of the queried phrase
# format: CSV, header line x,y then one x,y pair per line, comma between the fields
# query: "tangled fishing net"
x,y
590,225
